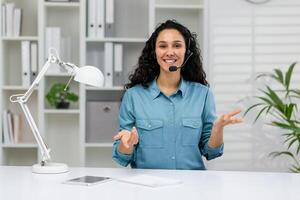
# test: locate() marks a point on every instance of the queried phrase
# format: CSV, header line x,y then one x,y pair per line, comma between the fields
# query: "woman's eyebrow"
x,y
178,41
175,41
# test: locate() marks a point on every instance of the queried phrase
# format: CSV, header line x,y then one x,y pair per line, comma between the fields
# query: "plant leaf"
x,y
260,112
286,126
279,76
280,153
295,169
265,100
251,107
275,98
292,142
288,75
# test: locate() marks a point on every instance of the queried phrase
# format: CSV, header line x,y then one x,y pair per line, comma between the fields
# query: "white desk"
x,y
18,183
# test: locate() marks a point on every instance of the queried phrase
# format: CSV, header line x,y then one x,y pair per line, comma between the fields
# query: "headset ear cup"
x,y
188,52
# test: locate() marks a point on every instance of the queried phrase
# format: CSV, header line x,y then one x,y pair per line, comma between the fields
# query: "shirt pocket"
x,y
191,131
150,133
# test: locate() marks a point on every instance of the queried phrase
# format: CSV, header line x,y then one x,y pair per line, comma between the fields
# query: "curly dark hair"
x,y
148,68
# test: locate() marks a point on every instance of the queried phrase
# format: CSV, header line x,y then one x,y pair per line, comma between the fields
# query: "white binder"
x,y
108,64
6,139
3,19
109,18
34,60
9,18
25,49
118,57
53,40
91,19
17,22
109,8
100,19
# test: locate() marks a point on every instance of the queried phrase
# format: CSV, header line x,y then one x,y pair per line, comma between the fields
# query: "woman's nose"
x,y
170,52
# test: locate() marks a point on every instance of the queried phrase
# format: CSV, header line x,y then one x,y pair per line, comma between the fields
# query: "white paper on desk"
x,y
150,181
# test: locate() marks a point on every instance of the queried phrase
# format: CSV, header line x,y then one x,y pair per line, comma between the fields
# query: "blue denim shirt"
x,y
173,130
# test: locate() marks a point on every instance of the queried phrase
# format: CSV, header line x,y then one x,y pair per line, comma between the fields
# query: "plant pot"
x,y
63,105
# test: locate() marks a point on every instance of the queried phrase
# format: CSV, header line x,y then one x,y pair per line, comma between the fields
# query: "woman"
x,y
167,116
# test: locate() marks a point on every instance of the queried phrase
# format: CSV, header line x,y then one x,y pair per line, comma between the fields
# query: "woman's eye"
x,y
162,46
177,45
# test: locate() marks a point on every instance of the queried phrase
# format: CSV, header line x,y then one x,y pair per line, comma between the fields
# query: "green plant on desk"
x,y
282,106
60,97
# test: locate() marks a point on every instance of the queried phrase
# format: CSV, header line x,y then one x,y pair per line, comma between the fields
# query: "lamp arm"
x,y
35,83
44,149
22,100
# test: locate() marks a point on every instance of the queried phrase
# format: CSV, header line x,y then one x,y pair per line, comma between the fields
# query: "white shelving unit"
x,y
65,131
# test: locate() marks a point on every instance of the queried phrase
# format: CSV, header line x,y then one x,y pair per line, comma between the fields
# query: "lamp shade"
x,y
89,75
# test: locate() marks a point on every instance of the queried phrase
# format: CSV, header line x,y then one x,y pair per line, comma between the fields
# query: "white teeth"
x,y
170,61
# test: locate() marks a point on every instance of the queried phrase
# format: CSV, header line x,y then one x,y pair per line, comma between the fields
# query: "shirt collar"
x,y
155,91
182,87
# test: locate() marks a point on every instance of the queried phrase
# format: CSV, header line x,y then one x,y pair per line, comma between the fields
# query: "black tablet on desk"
x,y
88,180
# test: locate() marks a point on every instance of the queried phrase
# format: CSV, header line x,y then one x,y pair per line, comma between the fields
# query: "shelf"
x,y
180,7
62,74
125,40
24,145
61,111
20,38
62,4
105,88
104,144
15,87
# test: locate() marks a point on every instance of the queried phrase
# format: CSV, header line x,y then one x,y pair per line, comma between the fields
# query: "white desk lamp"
x,y
88,75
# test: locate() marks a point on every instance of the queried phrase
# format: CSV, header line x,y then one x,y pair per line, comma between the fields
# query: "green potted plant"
x,y
282,106
60,97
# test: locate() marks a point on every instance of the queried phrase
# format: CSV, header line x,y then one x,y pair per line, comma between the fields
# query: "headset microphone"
x,y
174,68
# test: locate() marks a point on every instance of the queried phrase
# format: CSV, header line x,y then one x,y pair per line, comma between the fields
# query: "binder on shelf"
x,y
108,64
5,130
66,47
3,20
9,18
25,56
91,19
100,10
118,57
110,4
53,40
10,126
17,22
118,65
109,18
34,61
16,127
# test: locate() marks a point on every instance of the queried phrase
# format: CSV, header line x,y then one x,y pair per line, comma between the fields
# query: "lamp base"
x,y
50,168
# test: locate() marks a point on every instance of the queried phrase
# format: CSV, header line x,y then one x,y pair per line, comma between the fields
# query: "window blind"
x,y
245,39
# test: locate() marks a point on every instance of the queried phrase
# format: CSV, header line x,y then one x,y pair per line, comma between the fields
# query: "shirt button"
x,y
149,126
171,104
173,157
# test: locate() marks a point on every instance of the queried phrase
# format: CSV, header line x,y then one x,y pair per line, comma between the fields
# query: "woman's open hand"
x,y
128,140
216,138
228,118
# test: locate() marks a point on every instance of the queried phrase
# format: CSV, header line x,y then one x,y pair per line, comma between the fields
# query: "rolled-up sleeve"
x,y
122,159
126,121
208,117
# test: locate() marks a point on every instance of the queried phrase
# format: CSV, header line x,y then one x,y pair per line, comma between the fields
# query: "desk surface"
x,y
18,183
